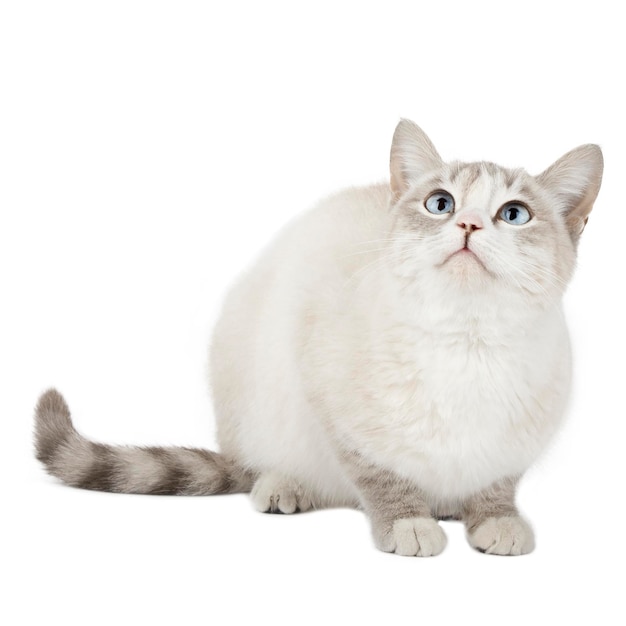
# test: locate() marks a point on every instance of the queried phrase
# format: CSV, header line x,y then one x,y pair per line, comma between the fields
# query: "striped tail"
x,y
125,469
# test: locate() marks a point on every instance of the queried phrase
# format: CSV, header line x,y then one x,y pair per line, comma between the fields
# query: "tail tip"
x,y
52,402
52,423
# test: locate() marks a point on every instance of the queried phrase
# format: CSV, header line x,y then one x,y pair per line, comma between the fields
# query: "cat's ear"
x,y
575,180
412,154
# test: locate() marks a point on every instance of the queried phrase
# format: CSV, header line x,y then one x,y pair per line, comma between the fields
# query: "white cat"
x,y
399,348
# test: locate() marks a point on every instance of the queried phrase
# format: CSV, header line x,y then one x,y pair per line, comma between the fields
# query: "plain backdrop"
x,y
148,152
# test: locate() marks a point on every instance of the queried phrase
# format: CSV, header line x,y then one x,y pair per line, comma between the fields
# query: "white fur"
x,y
417,536
354,333
273,492
504,536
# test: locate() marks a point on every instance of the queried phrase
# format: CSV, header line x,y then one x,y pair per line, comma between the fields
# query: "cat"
x,y
399,348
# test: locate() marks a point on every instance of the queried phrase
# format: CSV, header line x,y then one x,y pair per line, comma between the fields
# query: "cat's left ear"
x,y
575,180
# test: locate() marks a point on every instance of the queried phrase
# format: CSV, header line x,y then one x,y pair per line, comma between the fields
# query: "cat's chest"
x,y
457,412
451,381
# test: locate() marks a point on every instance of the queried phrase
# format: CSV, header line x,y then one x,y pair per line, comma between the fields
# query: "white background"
x,y
148,152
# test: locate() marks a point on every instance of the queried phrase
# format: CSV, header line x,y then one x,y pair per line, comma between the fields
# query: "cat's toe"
x,y
274,494
507,536
416,536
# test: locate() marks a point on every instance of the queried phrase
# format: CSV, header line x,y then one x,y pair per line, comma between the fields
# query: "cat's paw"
x,y
503,535
415,536
273,493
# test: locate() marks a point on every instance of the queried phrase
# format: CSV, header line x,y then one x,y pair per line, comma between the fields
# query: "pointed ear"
x,y
575,180
412,154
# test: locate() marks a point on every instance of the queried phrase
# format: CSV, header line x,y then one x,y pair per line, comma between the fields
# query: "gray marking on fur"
x,y
385,496
101,475
526,190
455,169
473,172
126,469
497,500
510,176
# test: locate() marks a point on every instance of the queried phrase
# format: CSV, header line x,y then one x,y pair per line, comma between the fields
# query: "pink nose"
x,y
469,221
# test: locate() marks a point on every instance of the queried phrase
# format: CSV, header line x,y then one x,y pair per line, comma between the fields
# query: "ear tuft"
x,y
575,180
412,154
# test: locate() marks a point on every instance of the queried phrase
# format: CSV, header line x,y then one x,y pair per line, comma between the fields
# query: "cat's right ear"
x,y
412,154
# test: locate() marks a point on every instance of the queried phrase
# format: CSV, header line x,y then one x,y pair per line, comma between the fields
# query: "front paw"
x,y
415,536
502,535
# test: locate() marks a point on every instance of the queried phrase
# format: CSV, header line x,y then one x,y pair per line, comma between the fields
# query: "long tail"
x,y
125,469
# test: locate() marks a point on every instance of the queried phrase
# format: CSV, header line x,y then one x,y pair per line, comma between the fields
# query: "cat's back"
x,y
338,229
333,239
309,261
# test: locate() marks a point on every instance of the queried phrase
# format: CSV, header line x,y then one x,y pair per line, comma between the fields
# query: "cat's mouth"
x,y
467,255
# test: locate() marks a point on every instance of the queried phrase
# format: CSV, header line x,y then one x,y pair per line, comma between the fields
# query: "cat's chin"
x,y
466,265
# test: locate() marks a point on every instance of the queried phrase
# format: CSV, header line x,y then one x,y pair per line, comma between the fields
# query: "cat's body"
x,y
338,354
402,349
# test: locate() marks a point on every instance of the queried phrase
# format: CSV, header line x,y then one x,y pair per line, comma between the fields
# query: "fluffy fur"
x,y
382,356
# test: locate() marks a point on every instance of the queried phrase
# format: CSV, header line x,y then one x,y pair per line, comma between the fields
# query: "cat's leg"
x,y
493,523
400,516
274,493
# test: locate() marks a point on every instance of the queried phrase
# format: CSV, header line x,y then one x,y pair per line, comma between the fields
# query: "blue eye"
x,y
439,203
516,214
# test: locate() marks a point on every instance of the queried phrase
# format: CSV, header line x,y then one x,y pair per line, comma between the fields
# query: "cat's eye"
x,y
514,213
439,203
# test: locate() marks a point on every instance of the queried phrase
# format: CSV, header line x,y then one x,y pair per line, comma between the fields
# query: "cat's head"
x,y
478,225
